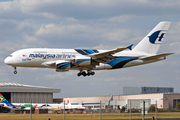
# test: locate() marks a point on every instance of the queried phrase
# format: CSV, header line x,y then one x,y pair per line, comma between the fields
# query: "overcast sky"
x,y
98,24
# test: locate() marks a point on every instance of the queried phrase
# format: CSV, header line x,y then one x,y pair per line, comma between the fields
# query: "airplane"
x,y
70,106
14,106
27,106
63,60
60,106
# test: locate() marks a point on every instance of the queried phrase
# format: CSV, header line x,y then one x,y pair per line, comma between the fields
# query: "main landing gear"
x,y
85,74
15,72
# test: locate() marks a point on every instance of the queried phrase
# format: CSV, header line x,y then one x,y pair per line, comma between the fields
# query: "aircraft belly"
x,y
120,62
133,63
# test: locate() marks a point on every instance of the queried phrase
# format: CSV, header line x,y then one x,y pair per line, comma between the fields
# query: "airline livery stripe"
x,y
90,51
81,52
86,51
65,66
95,51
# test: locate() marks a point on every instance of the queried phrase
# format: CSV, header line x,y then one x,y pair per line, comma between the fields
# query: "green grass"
x,y
94,116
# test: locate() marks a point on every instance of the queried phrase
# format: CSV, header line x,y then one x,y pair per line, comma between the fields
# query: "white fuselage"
x,y
49,106
44,58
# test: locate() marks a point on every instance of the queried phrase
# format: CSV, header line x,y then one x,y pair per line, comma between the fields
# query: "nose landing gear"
x,y
15,72
89,72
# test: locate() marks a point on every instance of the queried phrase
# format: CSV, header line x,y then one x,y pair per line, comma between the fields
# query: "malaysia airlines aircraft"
x,y
63,60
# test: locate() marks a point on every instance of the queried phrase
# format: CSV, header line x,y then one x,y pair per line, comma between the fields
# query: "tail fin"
x,y
68,102
5,103
152,41
2,99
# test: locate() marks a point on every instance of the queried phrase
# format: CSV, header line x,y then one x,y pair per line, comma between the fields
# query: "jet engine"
x,y
83,62
63,65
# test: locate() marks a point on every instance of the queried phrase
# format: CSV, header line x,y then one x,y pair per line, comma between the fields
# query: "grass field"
x,y
105,116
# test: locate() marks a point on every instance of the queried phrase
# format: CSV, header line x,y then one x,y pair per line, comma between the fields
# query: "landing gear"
x,y
85,74
15,72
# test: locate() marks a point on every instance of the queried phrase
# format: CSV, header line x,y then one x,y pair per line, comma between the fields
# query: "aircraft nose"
x,y
8,61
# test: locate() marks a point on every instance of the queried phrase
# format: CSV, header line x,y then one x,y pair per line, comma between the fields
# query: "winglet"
x,y
130,47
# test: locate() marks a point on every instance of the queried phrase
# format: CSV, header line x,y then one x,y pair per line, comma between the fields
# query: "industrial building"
x,y
20,93
164,100
146,90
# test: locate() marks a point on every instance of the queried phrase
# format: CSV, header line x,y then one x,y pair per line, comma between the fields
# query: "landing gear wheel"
x,y
15,72
84,74
79,74
92,73
88,74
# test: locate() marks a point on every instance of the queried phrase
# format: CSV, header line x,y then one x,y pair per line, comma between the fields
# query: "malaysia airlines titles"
x,y
45,56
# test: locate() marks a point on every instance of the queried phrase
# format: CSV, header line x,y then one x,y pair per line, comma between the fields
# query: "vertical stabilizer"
x,y
2,99
68,102
5,103
152,41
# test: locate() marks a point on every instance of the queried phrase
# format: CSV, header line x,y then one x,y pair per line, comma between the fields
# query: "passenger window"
x,y
11,55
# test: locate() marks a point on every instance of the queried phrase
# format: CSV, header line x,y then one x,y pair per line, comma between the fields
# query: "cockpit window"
x,y
11,56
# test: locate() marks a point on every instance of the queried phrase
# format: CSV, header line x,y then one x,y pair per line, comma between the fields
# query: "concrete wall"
x,y
87,99
170,98
141,96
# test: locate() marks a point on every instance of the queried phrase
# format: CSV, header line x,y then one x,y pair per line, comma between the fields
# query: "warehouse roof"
x,y
15,87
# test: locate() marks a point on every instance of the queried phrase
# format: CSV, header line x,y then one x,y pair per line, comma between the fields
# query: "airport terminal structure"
x,y
165,98
20,93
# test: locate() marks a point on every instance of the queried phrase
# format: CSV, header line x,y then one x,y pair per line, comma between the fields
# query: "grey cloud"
x,y
89,11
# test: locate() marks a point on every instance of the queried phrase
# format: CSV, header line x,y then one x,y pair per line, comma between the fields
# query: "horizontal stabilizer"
x,y
157,56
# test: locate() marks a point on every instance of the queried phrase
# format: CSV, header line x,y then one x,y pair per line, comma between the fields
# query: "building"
x,y
164,100
146,90
20,93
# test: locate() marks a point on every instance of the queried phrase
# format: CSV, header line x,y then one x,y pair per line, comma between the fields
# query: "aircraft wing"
x,y
157,56
105,56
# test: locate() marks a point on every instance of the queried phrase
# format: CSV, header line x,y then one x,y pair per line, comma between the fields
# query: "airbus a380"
x,y
91,59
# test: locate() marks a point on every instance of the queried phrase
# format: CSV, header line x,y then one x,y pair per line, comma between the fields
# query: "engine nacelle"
x,y
83,62
63,65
